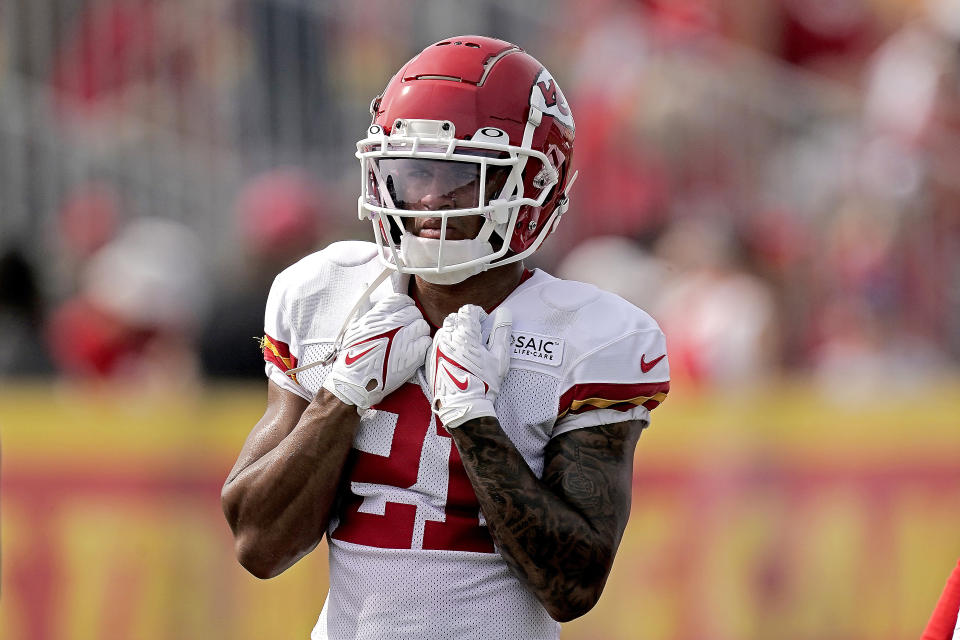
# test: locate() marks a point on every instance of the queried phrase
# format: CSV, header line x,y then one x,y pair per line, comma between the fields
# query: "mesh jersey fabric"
x,y
410,555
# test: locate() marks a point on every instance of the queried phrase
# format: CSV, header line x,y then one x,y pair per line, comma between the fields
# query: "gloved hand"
x,y
465,372
382,349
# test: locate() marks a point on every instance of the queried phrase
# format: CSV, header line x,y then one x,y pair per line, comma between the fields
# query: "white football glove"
x,y
465,372
382,349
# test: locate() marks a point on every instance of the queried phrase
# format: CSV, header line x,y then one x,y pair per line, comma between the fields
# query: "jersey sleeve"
x,y
280,343
623,379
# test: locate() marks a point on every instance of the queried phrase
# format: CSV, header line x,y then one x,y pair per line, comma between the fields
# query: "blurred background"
x,y
776,181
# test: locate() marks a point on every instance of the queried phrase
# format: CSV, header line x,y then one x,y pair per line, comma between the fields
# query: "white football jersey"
x,y
410,555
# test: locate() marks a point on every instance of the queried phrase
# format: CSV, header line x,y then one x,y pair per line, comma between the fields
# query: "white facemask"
x,y
420,252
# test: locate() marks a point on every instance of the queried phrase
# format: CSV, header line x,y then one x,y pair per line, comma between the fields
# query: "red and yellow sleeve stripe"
x,y
620,397
278,353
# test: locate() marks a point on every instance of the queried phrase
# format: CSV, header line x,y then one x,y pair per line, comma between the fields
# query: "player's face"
x,y
418,184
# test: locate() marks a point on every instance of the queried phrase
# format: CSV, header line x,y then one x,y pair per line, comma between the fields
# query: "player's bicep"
x,y
283,412
591,469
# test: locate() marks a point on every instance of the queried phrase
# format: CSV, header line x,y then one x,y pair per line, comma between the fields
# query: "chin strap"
x,y
361,302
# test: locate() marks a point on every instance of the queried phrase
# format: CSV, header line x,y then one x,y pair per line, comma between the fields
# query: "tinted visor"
x,y
419,184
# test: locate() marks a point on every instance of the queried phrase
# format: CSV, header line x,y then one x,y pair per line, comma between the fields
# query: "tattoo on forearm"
x,y
558,534
579,484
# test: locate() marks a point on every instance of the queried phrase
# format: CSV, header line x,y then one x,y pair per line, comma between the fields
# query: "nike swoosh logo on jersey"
x,y
646,366
460,385
349,360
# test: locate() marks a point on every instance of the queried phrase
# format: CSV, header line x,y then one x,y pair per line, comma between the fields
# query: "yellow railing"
x,y
770,514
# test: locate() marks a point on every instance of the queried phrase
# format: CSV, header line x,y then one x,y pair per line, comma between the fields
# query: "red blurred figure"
x,y
279,215
135,318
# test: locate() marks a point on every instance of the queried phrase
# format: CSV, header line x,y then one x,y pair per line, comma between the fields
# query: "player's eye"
x,y
418,173
463,176
465,172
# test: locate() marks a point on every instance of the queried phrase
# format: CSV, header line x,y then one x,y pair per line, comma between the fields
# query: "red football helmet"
x,y
484,125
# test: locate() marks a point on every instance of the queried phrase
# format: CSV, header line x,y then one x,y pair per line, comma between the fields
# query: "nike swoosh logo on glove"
x,y
349,360
646,366
460,385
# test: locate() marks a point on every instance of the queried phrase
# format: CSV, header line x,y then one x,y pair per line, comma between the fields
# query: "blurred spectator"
x,y
862,352
135,320
911,158
623,183
279,216
781,247
904,78
831,37
719,319
837,184
618,265
862,332
22,350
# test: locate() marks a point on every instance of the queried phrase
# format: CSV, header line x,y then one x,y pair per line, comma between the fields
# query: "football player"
x,y
461,428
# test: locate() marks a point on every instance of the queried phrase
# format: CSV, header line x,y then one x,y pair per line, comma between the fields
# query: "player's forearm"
x,y
548,544
279,504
